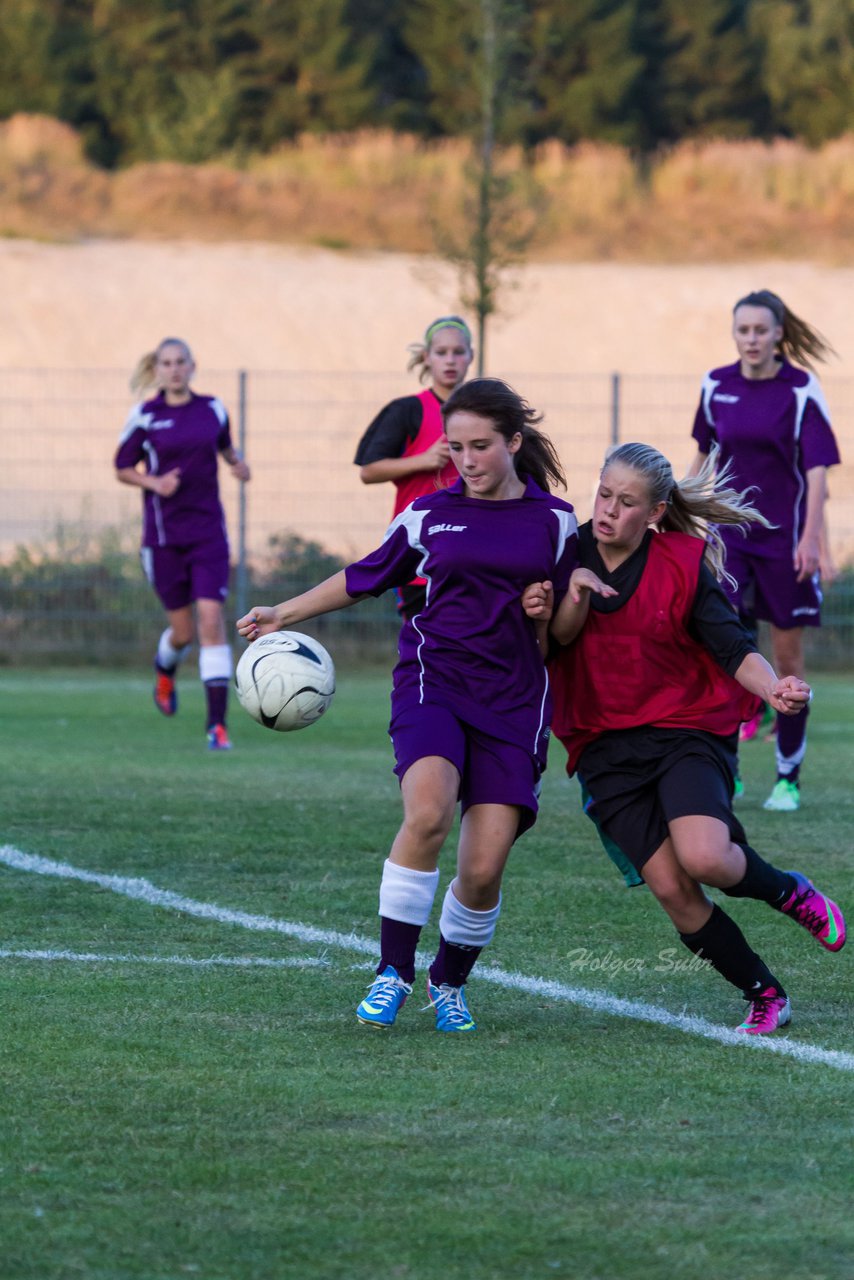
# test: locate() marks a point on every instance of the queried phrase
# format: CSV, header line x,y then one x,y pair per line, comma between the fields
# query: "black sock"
x,y
762,881
453,963
721,942
398,941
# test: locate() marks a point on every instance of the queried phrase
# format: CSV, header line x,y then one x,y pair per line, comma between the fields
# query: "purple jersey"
x,y
189,436
472,649
773,431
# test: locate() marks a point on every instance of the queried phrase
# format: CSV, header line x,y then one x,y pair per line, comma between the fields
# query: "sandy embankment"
x,y
97,306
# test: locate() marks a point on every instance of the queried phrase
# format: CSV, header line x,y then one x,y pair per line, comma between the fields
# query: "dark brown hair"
x,y
494,400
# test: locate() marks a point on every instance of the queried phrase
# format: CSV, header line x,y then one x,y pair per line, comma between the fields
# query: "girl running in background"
x,y
770,422
406,441
649,696
180,435
470,698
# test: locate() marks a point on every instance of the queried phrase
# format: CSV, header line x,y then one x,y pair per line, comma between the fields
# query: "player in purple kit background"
x,y
470,700
406,444
770,421
180,436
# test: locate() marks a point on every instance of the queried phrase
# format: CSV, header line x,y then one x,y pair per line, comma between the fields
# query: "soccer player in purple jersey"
x,y
771,424
656,676
470,698
406,443
180,436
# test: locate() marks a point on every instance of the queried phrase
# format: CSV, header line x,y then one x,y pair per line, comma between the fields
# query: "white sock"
x,y
169,657
215,662
465,927
407,895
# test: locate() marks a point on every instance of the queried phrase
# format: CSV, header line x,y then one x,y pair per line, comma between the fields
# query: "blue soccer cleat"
x,y
384,1000
449,1005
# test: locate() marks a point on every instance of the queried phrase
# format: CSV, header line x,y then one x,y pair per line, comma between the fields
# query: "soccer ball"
x,y
285,680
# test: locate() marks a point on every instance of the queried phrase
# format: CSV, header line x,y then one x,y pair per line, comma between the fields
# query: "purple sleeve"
x,y
567,561
818,443
392,565
130,450
223,439
702,431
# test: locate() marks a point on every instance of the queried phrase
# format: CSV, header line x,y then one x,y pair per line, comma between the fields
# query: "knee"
x,y
429,822
479,884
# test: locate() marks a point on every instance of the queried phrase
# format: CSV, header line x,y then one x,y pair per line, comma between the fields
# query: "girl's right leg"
x,y
172,648
429,789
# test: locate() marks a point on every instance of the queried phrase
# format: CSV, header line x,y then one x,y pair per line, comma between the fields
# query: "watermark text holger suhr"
x,y
670,960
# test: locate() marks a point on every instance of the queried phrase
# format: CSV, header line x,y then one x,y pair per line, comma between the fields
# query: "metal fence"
x,y
59,498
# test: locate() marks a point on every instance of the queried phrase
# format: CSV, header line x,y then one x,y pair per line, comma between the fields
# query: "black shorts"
x,y
640,779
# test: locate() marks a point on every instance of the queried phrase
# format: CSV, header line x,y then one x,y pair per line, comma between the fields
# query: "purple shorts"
x,y
181,575
491,771
768,589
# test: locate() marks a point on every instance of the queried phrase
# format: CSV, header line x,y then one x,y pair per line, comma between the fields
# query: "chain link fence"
x,y
70,585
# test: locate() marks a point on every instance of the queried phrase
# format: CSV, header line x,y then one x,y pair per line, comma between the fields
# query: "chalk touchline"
x,y
144,891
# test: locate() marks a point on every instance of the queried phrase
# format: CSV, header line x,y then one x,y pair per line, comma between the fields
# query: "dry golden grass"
x,y
376,190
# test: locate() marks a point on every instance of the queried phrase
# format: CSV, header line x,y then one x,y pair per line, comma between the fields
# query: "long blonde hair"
x,y
800,343
143,376
419,351
697,504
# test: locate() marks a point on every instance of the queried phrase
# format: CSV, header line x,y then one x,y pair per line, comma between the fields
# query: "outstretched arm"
x,y
328,596
788,696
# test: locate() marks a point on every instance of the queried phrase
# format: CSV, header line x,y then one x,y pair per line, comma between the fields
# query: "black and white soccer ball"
x,y
285,680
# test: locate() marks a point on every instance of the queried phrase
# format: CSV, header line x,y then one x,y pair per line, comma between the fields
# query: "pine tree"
x,y
808,65
584,70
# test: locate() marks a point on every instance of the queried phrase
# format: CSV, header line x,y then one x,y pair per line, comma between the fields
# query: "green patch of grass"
x,y
164,1121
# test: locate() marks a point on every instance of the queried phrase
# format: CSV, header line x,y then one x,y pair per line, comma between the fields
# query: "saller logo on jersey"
x,y
720,395
446,528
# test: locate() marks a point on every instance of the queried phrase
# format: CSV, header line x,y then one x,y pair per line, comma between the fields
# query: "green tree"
x,y
584,70
44,65
476,67
701,72
313,73
808,65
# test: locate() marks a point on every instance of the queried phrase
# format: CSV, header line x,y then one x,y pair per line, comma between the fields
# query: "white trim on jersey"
x,y
811,390
136,418
708,389
567,528
220,410
412,521
153,470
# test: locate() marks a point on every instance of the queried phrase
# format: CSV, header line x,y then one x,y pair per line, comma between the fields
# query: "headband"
x,y
449,322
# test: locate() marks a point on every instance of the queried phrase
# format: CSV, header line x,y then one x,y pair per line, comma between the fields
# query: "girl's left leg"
x,y
705,849
470,909
216,668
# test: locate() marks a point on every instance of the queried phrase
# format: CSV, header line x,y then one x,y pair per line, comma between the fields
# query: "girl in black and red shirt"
x,y
649,692
406,442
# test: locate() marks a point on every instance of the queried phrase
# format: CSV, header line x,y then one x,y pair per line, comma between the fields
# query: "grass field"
x,y
186,1091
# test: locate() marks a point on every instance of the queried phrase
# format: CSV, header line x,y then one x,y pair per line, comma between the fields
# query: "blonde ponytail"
x,y
697,504
144,377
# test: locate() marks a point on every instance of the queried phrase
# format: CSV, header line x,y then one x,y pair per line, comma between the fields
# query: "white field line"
x,y
600,1002
189,962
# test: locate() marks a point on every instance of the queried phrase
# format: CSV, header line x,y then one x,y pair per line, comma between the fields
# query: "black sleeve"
x,y
716,625
391,431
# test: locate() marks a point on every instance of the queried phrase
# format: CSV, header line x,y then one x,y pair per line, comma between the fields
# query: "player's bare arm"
x,y
239,467
573,609
788,696
808,551
328,596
